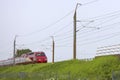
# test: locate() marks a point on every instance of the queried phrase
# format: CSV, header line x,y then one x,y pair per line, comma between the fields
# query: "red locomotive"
x,y
32,57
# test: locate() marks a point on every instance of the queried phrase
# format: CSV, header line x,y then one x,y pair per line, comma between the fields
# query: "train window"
x,y
40,54
30,53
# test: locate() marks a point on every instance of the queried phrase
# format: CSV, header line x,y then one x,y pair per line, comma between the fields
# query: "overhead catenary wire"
x,y
40,46
46,39
103,22
64,39
81,34
90,2
103,28
69,31
29,34
115,16
98,36
61,29
104,16
87,39
65,43
98,30
96,41
87,4
68,36
66,33
63,46
107,36
48,26
39,41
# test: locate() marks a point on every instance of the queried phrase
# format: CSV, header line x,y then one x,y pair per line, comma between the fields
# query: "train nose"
x,y
41,60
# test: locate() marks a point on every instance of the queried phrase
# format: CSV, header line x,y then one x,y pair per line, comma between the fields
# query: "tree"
x,y
22,51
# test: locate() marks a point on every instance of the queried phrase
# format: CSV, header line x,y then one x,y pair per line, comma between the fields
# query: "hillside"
x,y
101,68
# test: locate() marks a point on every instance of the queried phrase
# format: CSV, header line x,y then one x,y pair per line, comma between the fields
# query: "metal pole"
x,y
74,31
74,35
53,49
14,51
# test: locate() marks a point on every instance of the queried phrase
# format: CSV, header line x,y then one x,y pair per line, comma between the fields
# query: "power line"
x,y
65,43
45,39
95,41
61,35
69,37
90,2
103,22
100,30
106,21
63,46
50,25
106,15
40,41
64,27
99,36
84,39
54,33
66,37
87,4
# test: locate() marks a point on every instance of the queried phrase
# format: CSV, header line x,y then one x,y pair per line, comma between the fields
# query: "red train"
x,y
32,57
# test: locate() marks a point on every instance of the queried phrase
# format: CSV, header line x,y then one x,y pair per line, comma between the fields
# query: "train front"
x,y
40,57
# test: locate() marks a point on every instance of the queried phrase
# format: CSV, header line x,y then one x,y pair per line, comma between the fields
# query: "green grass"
x,y
100,67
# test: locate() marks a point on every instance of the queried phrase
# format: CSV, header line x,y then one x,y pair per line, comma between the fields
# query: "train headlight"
x,y
39,59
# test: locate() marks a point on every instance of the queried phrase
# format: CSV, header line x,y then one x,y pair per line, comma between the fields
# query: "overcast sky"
x,y
35,21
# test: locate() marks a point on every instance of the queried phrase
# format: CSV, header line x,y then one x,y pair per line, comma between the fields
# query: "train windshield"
x,y
40,54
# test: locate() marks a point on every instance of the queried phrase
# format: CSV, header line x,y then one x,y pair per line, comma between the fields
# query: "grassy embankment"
x,y
99,67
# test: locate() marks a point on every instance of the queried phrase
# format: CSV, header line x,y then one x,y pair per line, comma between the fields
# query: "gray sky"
x,y
34,21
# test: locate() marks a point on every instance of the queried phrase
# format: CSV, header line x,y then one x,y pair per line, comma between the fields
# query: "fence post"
x,y
112,75
56,76
69,75
22,75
